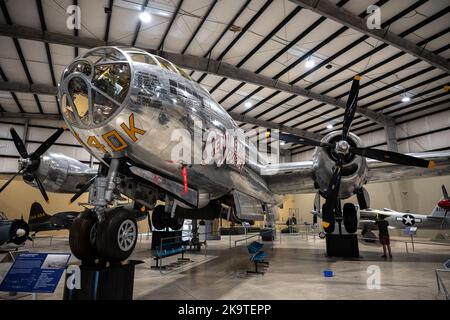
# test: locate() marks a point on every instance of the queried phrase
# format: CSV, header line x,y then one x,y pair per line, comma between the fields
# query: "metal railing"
x,y
308,230
247,238
412,241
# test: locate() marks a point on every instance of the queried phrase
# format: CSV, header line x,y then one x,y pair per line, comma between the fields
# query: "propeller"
x,y
82,190
342,149
445,193
30,162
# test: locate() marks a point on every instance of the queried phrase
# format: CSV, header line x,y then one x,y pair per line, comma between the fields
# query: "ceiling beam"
x,y
187,61
26,115
275,126
28,88
347,18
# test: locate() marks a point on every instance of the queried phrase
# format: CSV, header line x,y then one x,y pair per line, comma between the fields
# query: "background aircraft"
x,y
123,105
438,219
39,220
14,231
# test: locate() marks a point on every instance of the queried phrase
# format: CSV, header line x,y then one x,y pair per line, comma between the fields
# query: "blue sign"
x,y
410,231
35,272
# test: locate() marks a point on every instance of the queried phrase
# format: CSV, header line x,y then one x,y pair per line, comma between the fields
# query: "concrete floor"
x,y
295,272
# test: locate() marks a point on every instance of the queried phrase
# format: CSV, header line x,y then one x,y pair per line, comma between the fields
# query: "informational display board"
x,y
35,272
410,231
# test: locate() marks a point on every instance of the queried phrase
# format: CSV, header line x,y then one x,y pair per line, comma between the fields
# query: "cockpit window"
x,y
142,58
68,110
103,107
79,93
113,79
166,64
104,54
80,66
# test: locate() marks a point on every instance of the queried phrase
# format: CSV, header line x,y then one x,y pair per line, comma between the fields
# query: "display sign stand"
x,y
103,282
34,273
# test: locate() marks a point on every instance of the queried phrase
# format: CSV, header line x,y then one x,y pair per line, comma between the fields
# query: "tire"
x,y
80,234
350,218
117,235
329,217
159,217
322,235
16,225
176,223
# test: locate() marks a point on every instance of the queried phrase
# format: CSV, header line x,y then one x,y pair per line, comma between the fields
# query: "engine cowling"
x,y
354,170
60,173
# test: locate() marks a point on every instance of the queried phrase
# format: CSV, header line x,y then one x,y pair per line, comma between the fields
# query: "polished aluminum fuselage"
x,y
164,115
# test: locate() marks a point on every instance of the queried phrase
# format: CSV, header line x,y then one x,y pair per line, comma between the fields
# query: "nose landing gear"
x,y
106,234
112,239
117,235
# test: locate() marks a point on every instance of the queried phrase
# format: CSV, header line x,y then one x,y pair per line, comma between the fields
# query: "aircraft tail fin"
x,y
438,212
37,214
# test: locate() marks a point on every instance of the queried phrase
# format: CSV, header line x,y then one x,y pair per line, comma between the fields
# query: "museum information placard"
x,y
35,272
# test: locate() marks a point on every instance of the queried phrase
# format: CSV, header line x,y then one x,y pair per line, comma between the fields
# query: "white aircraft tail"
x,y
438,212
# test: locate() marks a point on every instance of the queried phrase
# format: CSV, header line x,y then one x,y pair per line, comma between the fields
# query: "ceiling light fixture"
x,y
406,99
330,126
145,17
310,63
248,104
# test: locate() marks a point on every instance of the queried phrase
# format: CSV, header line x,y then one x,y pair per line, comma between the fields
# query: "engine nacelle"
x,y
354,170
60,173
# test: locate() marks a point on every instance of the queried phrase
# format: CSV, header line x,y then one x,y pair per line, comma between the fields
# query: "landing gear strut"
x,y
106,234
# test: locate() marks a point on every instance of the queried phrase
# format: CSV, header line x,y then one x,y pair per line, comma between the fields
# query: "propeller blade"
x,y
350,109
46,144
9,181
20,146
444,220
445,193
393,157
82,190
302,140
41,187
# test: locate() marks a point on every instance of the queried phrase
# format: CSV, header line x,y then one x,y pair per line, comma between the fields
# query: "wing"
x,y
297,177
290,177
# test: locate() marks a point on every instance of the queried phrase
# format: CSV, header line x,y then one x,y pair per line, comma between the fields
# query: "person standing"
x,y
384,235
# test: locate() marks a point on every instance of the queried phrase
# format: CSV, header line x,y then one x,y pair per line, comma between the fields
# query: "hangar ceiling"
x,y
270,63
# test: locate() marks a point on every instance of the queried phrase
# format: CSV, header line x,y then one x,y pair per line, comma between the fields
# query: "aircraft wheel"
x,y
322,235
19,232
80,237
117,235
159,217
176,223
350,218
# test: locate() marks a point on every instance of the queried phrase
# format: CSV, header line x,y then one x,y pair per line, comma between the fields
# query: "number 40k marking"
x,y
114,139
